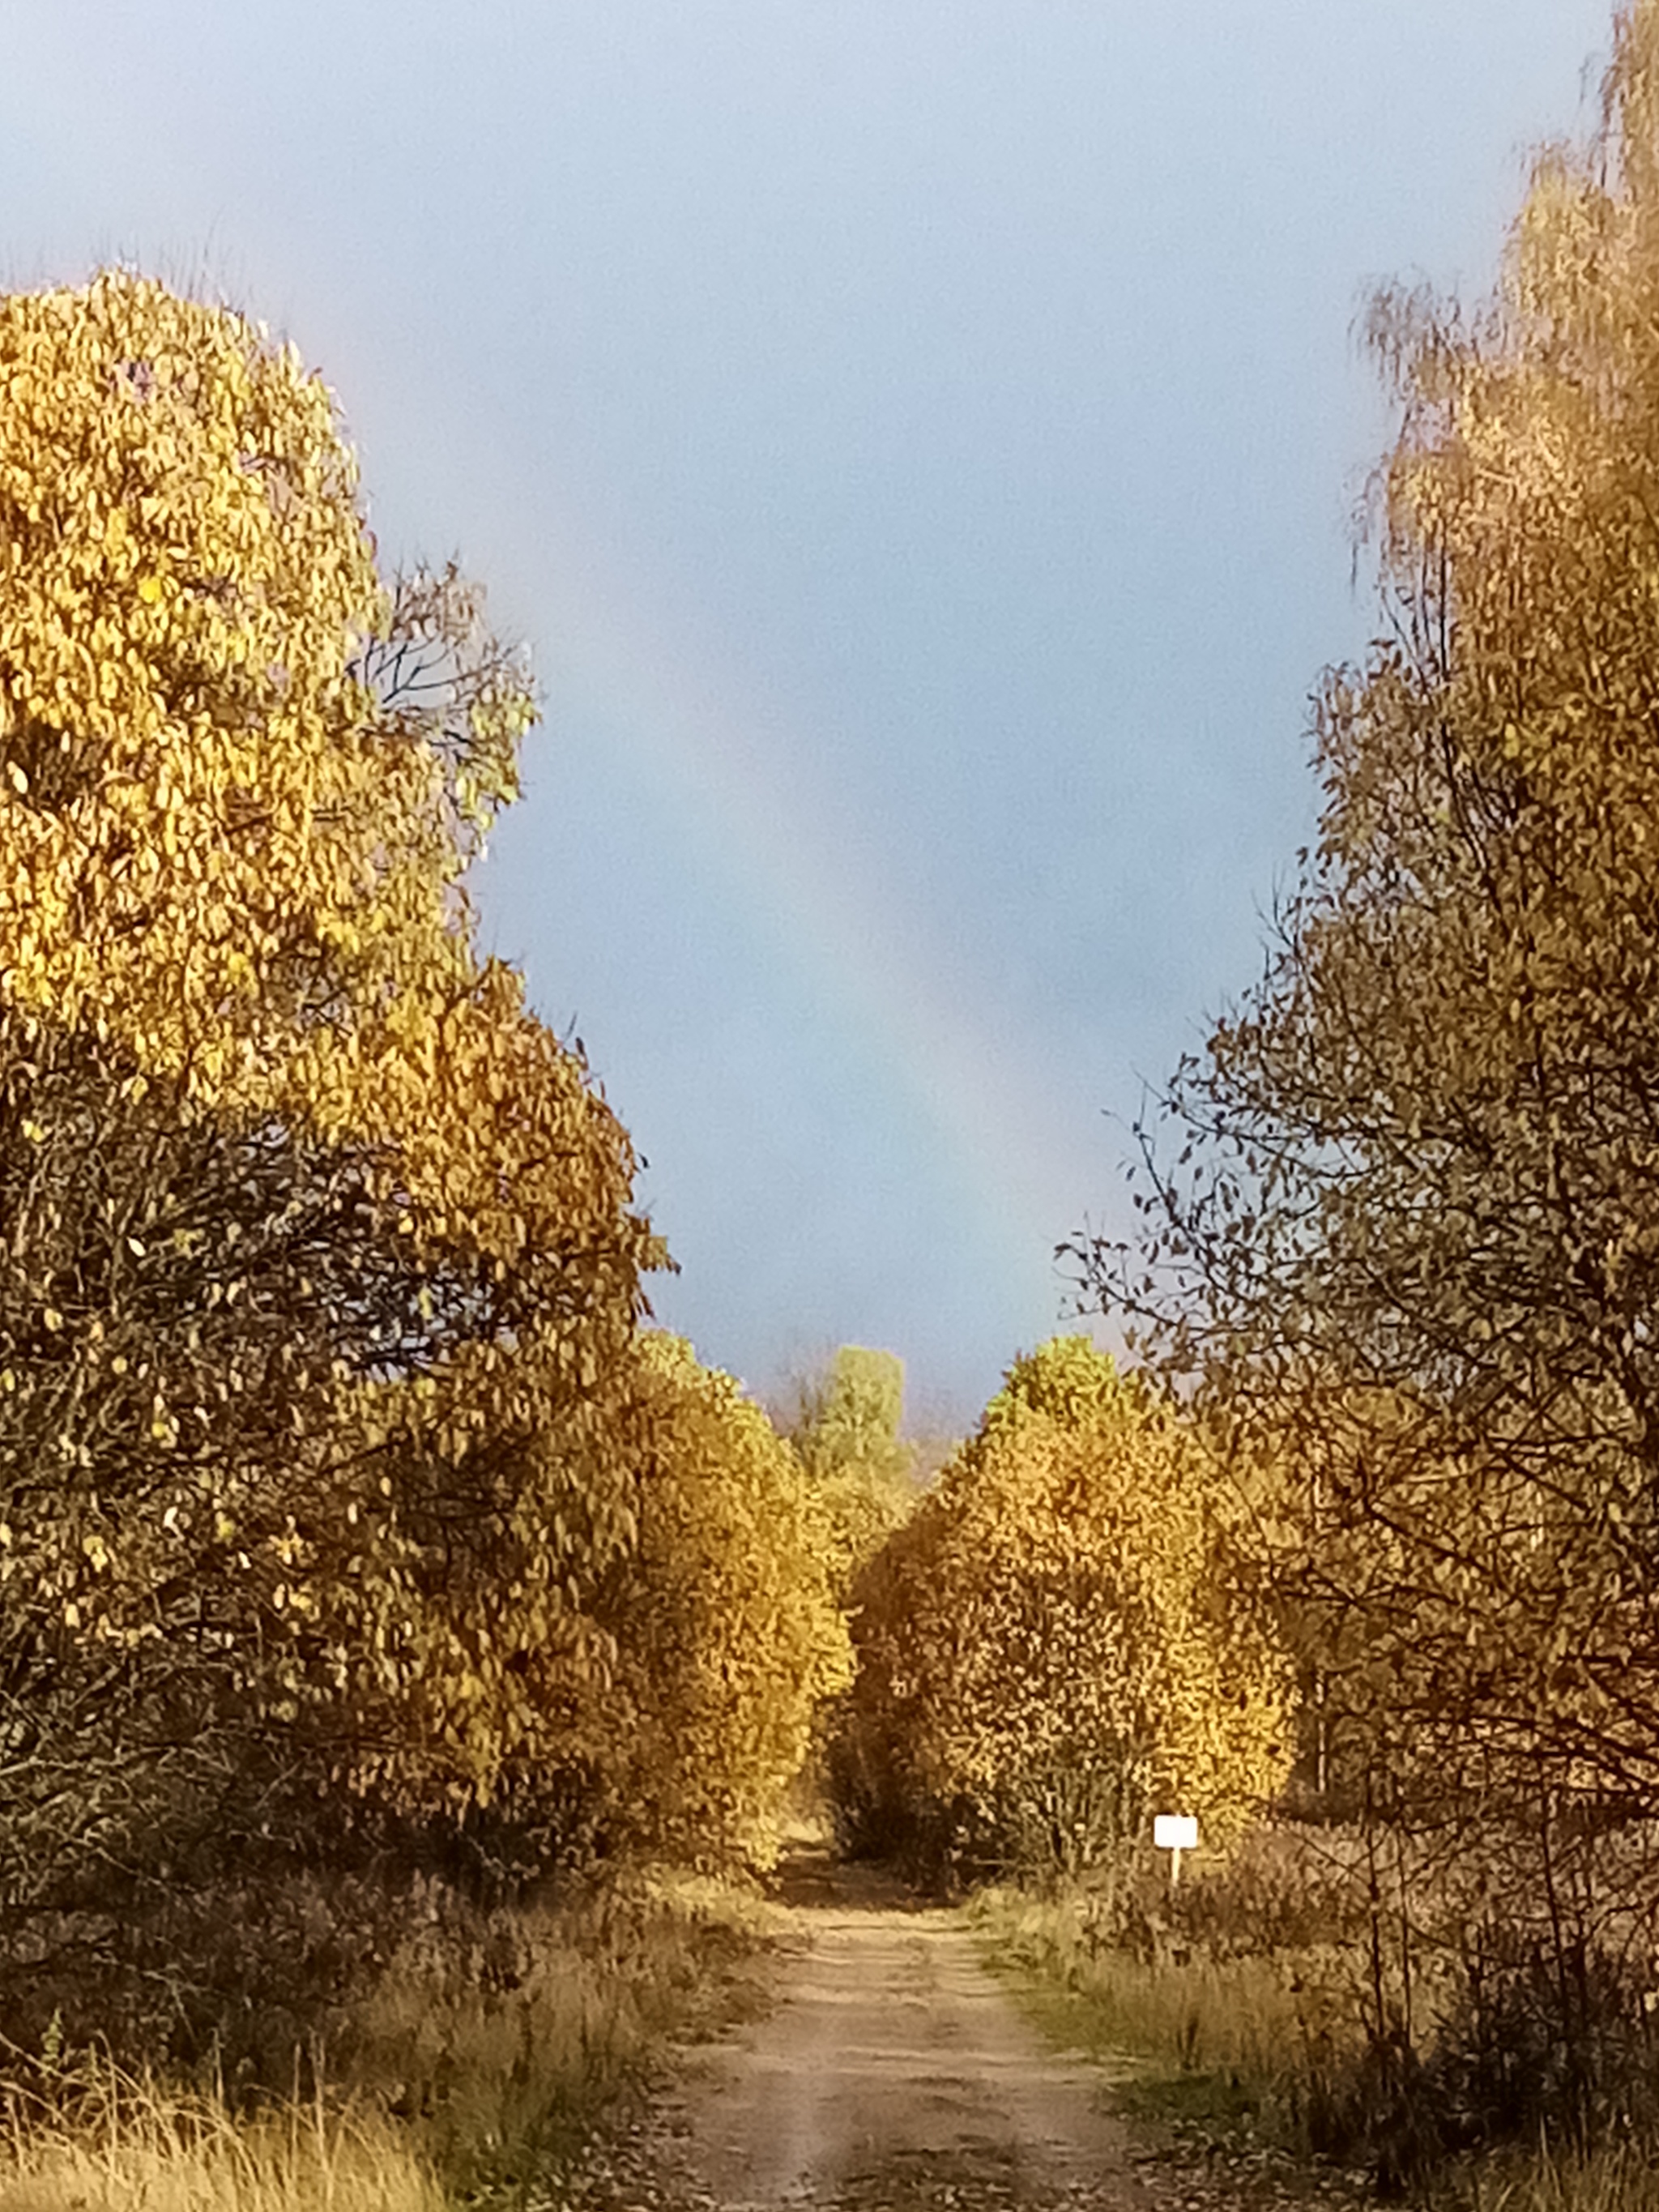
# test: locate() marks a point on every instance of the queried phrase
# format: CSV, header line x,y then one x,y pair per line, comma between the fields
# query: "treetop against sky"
x,y
920,448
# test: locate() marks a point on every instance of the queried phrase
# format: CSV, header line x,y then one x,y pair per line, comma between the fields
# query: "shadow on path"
x,y
811,1878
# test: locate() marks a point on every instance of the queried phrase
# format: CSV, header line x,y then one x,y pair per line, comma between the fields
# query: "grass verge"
x,y
1617,2179
501,2055
1238,2043
103,2141
1235,2058
473,2072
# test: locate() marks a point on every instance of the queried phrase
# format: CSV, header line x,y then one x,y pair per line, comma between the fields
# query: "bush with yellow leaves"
x,y
1051,1649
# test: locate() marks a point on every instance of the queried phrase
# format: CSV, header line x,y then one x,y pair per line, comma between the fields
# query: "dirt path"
x,y
891,2071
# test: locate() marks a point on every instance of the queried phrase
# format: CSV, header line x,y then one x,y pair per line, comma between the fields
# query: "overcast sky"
x,y
919,440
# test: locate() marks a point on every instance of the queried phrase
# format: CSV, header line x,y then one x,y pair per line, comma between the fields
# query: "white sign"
x,y
1175,1831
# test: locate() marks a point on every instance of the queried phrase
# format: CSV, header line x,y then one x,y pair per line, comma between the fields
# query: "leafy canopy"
x,y
728,1636
320,1251
1051,1649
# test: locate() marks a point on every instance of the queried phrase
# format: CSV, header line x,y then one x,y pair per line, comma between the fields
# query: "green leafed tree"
x,y
846,1430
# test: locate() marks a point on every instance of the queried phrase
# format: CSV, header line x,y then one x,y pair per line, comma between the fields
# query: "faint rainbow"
x,y
1025,1176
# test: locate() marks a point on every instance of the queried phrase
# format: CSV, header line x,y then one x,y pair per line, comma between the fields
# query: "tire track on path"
x,y
892,2070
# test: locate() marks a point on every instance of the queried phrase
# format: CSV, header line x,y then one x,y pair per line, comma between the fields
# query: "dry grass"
x,y
110,2142
1265,2021
499,2053
1258,2038
477,2066
1613,2180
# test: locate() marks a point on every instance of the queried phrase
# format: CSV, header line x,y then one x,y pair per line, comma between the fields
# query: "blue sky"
x,y
919,442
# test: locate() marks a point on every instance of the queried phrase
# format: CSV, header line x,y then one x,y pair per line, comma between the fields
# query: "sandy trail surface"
x,y
892,2070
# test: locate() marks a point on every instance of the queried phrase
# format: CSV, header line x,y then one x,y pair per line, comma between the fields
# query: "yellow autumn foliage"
x,y
320,1259
727,1637
1411,1236
1050,1650
227,846
654,1690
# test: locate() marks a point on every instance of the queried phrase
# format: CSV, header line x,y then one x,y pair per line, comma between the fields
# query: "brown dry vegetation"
x,y
1334,1997
474,2061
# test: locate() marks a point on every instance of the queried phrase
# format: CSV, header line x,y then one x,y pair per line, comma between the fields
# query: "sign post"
x,y
1174,1832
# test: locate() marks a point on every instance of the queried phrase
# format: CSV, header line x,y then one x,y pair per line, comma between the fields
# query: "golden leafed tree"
x,y
1053,1647
725,1629
1415,1237
315,1239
